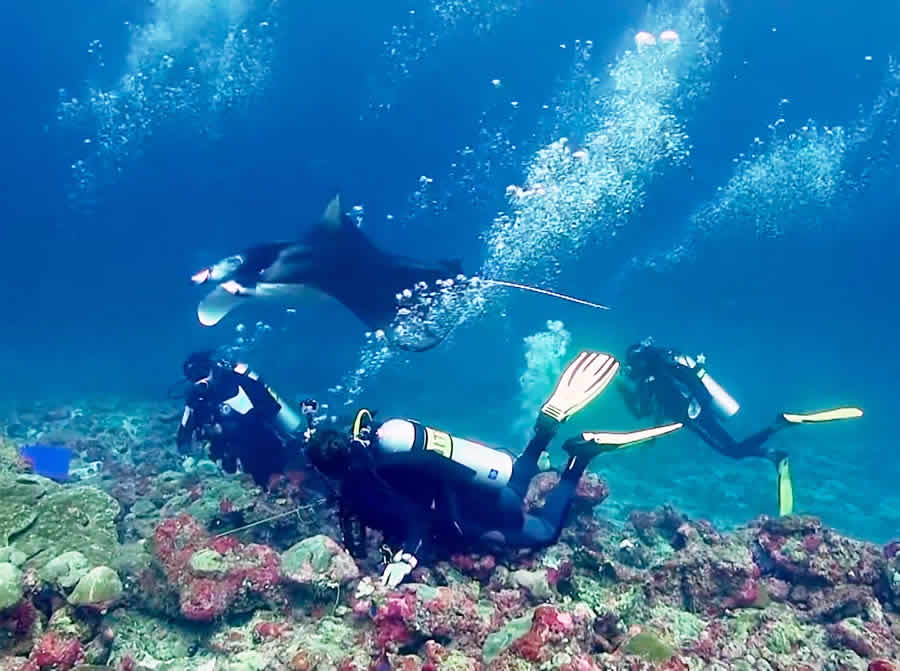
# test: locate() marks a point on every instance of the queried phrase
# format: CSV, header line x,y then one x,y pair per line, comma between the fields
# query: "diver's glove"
x,y
400,566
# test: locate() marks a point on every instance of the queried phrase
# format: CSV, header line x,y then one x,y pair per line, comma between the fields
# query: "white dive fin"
x,y
581,382
218,303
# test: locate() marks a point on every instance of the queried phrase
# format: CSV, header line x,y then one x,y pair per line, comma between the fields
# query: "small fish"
x,y
52,460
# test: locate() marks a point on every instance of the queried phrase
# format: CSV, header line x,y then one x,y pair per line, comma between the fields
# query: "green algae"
x,y
681,626
498,641
248,660
628,604
744,624
786,635
648,646
331,639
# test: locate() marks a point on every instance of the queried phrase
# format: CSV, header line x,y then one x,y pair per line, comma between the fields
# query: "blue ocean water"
x,y
747,209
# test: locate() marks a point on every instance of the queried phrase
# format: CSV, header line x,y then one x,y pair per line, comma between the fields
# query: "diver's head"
x,y
198,366
330,452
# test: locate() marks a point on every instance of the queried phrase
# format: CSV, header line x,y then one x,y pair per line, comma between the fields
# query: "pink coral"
x,y
247,570
56,652
391,620
547,625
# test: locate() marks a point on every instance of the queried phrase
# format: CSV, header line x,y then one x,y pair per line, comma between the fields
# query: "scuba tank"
x,y
286,420
490,467
723,403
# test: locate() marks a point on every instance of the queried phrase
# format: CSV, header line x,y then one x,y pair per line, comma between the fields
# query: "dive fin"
x,y
592,444
581,382
217,304
785,488
822,416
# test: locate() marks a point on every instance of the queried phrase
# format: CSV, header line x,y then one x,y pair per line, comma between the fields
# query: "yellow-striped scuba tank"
x,y
490,467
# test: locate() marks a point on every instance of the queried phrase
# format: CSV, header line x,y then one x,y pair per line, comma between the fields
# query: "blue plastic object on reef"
x,y
51,460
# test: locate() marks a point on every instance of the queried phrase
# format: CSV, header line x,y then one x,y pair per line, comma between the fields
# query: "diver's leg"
x,y
526,464
718,438
544,526
581,382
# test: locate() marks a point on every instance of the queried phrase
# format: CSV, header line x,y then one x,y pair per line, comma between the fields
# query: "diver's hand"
x,y
399,567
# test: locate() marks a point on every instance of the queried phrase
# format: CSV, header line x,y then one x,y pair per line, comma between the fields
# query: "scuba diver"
x,y
244,421
425,489
672,385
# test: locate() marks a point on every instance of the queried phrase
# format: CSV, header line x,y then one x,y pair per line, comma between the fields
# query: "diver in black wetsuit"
x,y
244,420
416,484
668,384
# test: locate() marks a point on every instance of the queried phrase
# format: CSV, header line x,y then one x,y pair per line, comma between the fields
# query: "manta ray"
x,y
333,258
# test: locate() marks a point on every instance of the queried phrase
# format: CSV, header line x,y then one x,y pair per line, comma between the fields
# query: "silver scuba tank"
x,y
492,468
724,404
287,419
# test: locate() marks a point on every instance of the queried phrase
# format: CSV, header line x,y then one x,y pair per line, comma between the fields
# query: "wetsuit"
x,y
666,384
238,415
419,498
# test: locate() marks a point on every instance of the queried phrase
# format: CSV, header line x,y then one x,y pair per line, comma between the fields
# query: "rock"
x,y
65,570
705,578
318,563
13,556
19,496
497,642
45,520
248,577
208,563
12,587
148,639
592,490
535,583
99,587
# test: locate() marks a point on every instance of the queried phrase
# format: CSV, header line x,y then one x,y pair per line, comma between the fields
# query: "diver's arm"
x,y
385,508
352,530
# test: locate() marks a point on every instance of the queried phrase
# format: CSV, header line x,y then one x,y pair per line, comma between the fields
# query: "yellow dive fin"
x,y
581,382
823,416
785,488
592,444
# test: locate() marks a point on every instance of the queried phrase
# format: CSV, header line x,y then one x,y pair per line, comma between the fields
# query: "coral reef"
x,y
161,562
